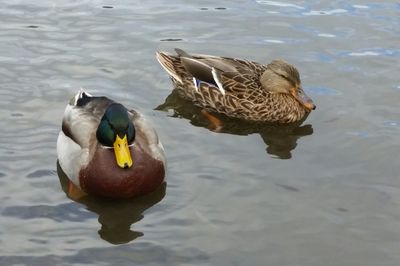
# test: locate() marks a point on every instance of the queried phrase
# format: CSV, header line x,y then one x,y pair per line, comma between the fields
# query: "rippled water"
x,y
326,192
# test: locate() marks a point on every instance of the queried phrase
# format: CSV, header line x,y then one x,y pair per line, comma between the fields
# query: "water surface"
x,y
326,192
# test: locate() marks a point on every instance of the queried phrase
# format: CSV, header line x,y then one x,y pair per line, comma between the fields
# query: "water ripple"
x,y
278,4
322,91
325,12
224,188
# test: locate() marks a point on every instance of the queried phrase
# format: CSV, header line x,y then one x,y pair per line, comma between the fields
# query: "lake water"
x,y
326,192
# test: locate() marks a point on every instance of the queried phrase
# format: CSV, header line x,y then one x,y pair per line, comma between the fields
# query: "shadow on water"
x,y
280,139
116,215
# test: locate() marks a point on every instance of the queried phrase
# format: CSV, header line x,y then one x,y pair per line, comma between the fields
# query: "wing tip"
x,y
181,53
81,94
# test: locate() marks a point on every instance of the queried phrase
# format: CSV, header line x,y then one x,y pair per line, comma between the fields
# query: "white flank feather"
x,y
195,84
71,157
220,87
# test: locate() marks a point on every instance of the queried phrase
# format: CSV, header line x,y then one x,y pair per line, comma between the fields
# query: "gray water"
x,y
326,192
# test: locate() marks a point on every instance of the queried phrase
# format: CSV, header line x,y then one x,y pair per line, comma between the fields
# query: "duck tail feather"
x,y
167,62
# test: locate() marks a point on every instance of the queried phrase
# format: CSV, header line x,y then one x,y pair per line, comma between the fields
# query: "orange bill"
x,y
302,97
122,152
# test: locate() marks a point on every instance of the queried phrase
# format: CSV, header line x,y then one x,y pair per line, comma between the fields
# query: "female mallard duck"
x,y
107,150
239,88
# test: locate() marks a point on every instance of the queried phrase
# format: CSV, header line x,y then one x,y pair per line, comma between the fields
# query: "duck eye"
x,y
284,76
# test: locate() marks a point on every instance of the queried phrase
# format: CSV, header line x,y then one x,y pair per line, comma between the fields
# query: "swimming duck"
x,y
239,88
108,150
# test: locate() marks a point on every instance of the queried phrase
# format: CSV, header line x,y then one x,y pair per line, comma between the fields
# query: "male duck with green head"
x,y
107,150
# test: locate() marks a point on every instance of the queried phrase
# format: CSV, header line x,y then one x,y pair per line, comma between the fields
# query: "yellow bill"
x,y
122,153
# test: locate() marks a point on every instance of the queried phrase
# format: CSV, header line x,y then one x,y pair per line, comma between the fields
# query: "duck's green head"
x,y
116,130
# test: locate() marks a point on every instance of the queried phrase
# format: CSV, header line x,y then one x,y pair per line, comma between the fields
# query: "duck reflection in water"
x,y
116,216
280,139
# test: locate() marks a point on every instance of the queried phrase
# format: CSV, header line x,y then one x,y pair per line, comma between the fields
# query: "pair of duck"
x,y
107,150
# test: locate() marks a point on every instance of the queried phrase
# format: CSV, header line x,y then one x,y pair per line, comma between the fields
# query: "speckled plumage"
x,y
237,88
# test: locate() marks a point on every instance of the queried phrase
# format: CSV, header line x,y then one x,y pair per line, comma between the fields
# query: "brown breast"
x,y
103,177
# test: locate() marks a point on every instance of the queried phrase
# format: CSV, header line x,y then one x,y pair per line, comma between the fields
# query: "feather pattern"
x,y
236,87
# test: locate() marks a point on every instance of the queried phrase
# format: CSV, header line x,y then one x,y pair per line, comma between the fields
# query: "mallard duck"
x,y
108,150
239,88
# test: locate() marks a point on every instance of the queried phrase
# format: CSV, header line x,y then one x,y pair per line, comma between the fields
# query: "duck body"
x,y
87,148
239,88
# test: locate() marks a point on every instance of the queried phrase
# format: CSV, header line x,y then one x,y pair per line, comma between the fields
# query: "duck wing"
x,y
201,66
82,116
146,136
238,83
222,73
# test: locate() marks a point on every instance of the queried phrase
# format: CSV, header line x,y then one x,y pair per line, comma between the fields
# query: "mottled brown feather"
x,y
244,96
